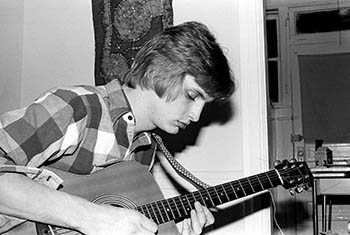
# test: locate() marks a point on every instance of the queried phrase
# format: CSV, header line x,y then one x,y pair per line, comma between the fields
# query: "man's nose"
x,y
196,111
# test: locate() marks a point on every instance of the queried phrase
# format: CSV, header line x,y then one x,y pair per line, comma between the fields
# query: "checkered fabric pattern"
x,y
79,129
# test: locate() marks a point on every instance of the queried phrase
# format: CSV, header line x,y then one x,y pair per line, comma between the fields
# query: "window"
x,y
272,39
323,21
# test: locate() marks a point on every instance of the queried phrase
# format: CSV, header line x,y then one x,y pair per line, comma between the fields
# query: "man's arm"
x,y
24,198
21,197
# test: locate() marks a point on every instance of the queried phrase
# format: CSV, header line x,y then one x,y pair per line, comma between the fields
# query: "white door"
x,y
320,77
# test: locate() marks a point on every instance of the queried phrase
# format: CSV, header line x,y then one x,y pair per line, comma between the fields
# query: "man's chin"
x,y
172,131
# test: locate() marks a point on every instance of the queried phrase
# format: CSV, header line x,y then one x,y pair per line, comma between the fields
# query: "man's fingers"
x,y
195,222
186,227
209,216
200,214
149,225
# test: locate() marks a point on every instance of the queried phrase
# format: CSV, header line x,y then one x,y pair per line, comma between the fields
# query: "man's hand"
x,y
200,218
115,220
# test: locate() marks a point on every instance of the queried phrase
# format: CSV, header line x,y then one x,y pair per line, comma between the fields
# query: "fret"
x,y
194,199
182,206
198,197
154,215
219,197
258,180
143,211
214,196
268,182
233,189
256,183
165,211
140,209
277,179
183,202
242,187
267,176
229,191
160,214
207,198
225,194
149,213
189,205
251,185
177,208
169,209
203,200
238,189
249,189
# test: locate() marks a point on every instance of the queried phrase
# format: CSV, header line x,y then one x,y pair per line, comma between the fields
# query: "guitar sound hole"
x,y
116,205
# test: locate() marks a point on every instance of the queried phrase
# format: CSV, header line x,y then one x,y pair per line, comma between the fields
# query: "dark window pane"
x,y
272,44
325,21
325,100
273,80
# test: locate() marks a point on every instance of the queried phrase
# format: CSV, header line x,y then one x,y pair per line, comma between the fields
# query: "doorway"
x,y
309,84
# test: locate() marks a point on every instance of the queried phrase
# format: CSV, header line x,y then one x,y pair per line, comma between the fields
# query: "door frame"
x,y
306,151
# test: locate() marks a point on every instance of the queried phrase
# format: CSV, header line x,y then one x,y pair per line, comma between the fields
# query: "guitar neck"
x,y
122,193
179,207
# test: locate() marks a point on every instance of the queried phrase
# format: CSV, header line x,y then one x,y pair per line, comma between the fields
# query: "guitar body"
x,y
130,185
125,184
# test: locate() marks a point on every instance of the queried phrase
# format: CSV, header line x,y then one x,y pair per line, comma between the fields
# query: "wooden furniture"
x,y
328,182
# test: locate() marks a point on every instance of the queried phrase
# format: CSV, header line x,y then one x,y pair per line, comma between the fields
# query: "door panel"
x,y
320,96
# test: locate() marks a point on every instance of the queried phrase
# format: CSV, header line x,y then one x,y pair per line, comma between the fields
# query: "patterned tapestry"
x,y
121,27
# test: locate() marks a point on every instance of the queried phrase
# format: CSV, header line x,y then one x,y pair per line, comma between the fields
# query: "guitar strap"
x,y
179,169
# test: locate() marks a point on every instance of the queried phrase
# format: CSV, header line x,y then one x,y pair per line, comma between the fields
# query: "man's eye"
x,y
191,96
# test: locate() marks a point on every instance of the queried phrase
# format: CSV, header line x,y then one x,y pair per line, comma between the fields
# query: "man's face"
x,y
170,116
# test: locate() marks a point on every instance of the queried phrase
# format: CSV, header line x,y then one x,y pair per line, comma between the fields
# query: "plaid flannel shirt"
x,y
79,129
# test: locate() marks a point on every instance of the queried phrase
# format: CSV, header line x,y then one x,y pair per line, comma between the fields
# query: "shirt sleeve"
x,y
36,133
45,130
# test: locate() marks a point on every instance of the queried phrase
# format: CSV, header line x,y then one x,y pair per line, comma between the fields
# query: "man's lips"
x,y
182,125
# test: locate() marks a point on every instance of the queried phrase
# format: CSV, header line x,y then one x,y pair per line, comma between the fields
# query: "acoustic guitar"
x,y
130,185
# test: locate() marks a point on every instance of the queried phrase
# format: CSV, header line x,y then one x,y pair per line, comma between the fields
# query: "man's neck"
x,y
140,102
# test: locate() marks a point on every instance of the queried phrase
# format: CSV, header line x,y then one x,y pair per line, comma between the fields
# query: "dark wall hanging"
x,y
121,27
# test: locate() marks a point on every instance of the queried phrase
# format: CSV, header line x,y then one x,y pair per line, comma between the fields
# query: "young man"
x,y
83,129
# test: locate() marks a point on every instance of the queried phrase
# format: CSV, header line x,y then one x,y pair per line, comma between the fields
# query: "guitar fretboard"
x,y
180,206
296,174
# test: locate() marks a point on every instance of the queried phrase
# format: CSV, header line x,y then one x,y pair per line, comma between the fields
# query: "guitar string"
x,y
258,182
192,200
183,171
165,212
198,183
229,189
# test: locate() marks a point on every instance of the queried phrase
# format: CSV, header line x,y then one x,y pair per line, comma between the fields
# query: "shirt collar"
x,y
118,103
120,108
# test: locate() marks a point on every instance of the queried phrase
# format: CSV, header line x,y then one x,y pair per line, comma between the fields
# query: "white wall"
x,y
239,147
226,31
58,45
54,45
11,41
